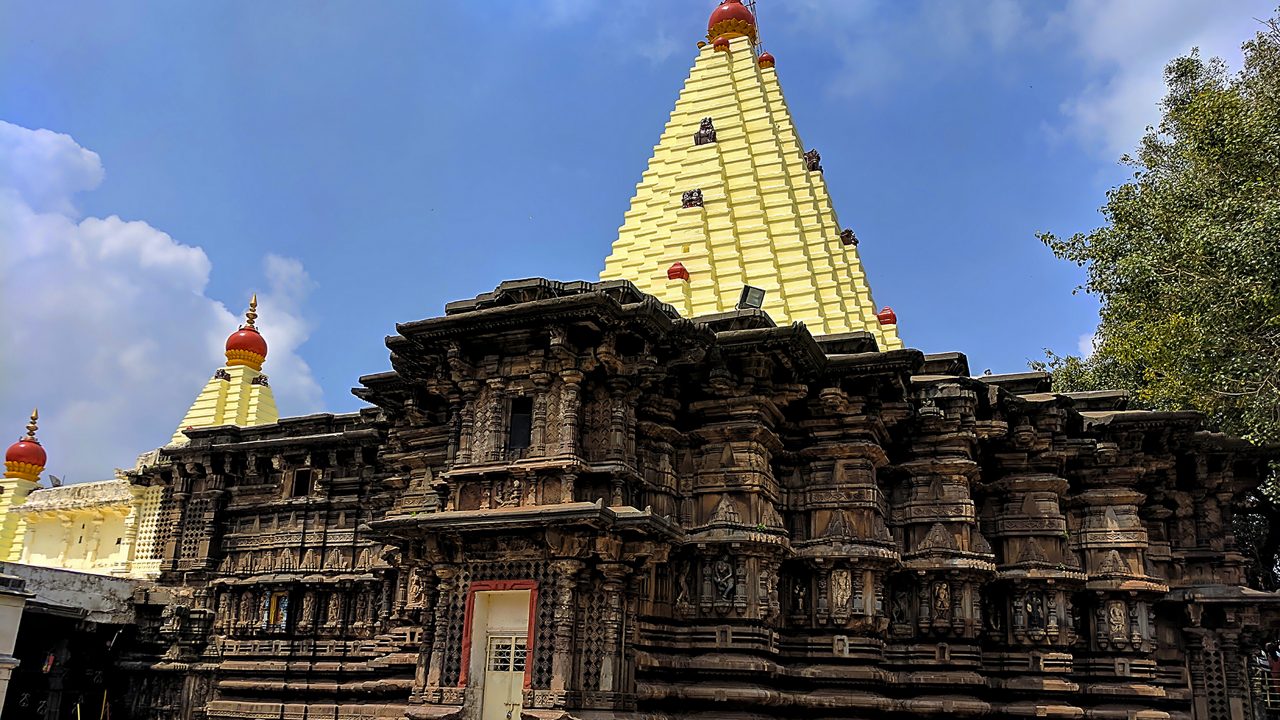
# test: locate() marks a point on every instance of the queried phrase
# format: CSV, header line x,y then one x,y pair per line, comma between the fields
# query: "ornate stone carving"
x,y
691,199
723,577
706,132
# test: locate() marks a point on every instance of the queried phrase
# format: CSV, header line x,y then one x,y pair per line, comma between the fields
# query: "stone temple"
x,y
713,484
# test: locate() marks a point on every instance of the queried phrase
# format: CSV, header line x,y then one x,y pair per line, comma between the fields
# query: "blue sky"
x,y
361,164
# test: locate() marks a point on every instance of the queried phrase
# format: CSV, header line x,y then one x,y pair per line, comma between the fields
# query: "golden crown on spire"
x,y
252,313
31,425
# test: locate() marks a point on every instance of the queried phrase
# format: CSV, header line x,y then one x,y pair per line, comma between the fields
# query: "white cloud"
x,y
1086,344
881,45
1124,47
107,326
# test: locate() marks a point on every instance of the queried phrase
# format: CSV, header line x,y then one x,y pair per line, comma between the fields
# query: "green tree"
x,y
1187,266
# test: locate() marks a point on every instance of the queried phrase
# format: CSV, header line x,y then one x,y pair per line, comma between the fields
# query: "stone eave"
x,y
793,340
1143,419
305,429
589,305
594,515
1019,383
82,496
947,363
904,361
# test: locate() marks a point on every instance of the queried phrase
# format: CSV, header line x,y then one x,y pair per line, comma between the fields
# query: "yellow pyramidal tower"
x,y
23,463
731,198
238,393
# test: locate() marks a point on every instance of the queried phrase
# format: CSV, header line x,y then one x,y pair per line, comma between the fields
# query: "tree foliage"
x,y
1187,266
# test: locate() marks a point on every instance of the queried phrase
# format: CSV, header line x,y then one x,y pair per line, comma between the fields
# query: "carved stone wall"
x,y
710,514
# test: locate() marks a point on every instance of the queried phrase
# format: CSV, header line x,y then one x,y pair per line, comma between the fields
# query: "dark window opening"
x,y
520,430
301,483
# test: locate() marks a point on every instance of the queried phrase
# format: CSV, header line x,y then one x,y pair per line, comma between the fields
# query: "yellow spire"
x,y
731,194
238,393
31,425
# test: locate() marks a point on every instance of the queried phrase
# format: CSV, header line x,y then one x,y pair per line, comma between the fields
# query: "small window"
x,y
301,483
507,653
520,431
118,540
276,611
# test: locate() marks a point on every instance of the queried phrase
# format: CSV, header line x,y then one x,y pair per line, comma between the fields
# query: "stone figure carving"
x,y
1035,610
900,611
1117,620
682,582
722,576
848,238
994,615
706,132
841,589
335,609
308,612
813,160
415,587
799,598
941,601
691,199
246,607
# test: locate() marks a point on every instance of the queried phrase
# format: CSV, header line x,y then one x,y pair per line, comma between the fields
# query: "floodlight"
x,y
752,297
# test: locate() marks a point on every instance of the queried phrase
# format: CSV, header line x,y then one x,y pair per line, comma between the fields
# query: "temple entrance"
x,y
499,651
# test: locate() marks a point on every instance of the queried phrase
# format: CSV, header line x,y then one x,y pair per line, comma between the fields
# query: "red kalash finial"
x,y
887,316
677,272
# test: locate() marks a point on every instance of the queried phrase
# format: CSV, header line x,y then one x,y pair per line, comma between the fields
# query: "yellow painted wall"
x,y
13,492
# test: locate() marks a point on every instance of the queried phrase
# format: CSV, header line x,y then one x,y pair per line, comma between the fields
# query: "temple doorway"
x,y
500,651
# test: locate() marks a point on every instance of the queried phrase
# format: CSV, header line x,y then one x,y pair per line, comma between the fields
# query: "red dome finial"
x,y
887,316
766,60
25,459
246,345
731,19
677,271
720,44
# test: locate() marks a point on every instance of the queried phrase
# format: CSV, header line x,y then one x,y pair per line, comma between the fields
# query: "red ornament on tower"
x,y
731,19
246,346
26,459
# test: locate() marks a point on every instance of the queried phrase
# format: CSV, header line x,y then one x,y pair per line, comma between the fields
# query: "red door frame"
x,y
492,586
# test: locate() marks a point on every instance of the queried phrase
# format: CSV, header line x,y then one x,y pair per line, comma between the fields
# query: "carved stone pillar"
x,y
446,586
538,431
455,425
497,422
568,483
467,426
617,417
611,671
569,407
431,596
562,657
